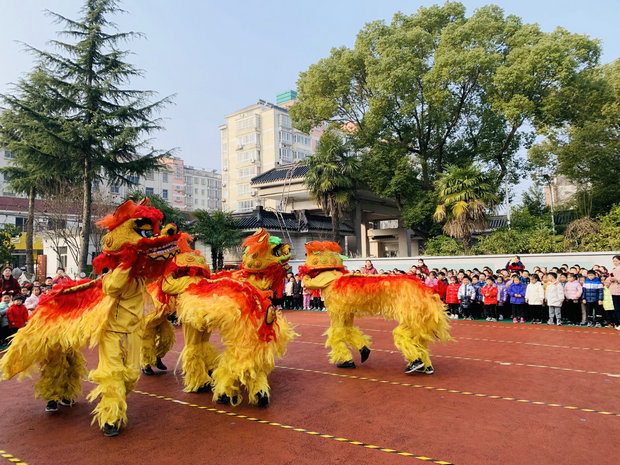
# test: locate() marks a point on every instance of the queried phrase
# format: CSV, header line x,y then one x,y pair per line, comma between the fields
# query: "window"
x,y
243,189
164,177
203,182
196,190
301,139
20,223
245,206
203,203
149,191
61,258
195,201
149,176
164,194
248,172
202,191
286,155
286,137
179,172
133,179
8,154
5,176
177,188
115,189
196,180
95,185
285,121
248,139
247,123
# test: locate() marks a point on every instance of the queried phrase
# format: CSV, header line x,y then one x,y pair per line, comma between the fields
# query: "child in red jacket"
x,y
452,298
489,299
17,314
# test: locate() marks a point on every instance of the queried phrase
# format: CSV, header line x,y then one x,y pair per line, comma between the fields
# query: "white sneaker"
x,y
493,319
456,317
488,318
501,317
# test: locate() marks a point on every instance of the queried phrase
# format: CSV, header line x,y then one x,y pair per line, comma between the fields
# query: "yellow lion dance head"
x,y
137,238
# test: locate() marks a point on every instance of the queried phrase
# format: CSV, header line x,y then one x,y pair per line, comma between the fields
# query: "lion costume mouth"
x,y
163,252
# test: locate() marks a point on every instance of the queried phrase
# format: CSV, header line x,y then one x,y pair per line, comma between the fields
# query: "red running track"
x,y
501,394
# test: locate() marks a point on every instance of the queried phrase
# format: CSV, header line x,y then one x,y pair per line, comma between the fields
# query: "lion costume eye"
x,y
145,232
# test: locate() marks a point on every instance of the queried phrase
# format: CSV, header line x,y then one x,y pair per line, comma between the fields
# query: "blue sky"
x,y
219,56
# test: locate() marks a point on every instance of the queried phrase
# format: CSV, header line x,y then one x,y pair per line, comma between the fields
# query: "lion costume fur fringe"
x,y
420,313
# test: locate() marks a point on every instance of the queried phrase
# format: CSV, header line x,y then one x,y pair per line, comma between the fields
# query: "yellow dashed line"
x,y
11,458
455,391
292,428
499,362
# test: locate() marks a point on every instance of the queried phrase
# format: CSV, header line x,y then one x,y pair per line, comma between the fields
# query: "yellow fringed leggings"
x,y
116,375
411,344
198,356
340,335
61,376
157,340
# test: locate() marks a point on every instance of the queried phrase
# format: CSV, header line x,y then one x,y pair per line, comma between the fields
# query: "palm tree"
x,y
464,194
219,230
332,177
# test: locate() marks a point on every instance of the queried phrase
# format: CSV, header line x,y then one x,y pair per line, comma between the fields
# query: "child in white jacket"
x,y
554,295
534,297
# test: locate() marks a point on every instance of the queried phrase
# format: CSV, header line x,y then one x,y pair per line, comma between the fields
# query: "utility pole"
x,y
507,187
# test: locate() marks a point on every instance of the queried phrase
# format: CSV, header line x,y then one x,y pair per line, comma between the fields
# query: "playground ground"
x,y
502,393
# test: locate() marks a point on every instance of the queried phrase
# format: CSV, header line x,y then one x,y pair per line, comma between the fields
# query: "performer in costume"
x,y
108,311
158,335
252,331
419,311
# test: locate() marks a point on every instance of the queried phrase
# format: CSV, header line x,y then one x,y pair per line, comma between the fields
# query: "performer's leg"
x,y
164,341
198,358
61,377
110,377
337,335
148,357
412,344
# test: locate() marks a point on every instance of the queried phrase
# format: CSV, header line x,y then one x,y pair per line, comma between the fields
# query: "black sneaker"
x,y
110,430
52,406
148,371
364,352
204,388
67,402
160,364
225,400
413,366
347,364
426,370
263,400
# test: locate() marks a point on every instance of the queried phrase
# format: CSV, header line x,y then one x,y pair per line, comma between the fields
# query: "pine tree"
x,y
98,122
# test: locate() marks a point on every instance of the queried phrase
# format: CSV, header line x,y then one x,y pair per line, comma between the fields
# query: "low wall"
x,y
467,262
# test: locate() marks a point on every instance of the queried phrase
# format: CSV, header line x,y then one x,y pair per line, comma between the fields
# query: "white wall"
x,y
584,259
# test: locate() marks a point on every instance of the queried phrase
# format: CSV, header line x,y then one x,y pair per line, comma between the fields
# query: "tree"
x,y
332,177
219,230
31,171
98,123
437,88
171,214
588,151
7,233
465,195
443,245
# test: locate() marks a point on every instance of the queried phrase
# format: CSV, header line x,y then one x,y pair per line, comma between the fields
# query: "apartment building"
x,y
203,189
255,139
184,187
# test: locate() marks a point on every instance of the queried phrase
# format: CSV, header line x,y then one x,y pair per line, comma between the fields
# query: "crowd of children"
x,y
18,301
560,295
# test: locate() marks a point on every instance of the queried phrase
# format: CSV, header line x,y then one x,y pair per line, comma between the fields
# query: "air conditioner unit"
x,y
252,160
240,147
223,184
224,169
254,192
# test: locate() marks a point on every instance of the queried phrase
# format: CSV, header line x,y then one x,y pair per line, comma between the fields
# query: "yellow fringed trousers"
x,y
116,375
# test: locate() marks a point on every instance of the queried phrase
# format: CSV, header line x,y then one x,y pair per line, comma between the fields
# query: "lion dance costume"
x,y
253,333
108,312
419,312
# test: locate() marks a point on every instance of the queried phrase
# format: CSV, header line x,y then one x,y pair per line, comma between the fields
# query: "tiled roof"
x,y
280,174
298,222
559,218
